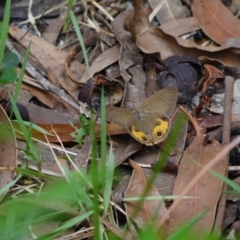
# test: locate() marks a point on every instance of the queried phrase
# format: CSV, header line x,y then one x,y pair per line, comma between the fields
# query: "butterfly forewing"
x,y
119,116
164,101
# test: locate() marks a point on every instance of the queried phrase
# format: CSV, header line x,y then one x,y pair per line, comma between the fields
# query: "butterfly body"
x,y
150,122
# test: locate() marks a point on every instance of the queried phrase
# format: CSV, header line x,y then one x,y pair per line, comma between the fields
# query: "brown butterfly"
x,y
150,122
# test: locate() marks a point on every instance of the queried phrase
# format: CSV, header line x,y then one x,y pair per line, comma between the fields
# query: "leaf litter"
x,y
134,56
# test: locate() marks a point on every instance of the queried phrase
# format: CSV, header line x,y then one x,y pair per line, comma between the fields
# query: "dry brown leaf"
x,y
53,30
216,20
210,121
83,155
124,147
129,55
8,152
63,131
151,85
150,209
50,99
180,27
107,58
49,56
43,115
154,40
206,191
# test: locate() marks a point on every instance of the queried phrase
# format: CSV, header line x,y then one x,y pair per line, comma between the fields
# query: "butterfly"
x,y
150,123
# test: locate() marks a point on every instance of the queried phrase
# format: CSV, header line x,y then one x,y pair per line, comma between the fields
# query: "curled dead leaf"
x,y
154,40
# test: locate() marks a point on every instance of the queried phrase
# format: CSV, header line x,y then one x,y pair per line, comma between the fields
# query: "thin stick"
x,y
228,100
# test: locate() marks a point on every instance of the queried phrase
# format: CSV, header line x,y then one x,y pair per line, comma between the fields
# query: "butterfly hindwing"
x,y
119,116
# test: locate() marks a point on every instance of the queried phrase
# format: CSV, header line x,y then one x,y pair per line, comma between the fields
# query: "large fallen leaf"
x,y
151,211
8,150
206,191
216,20
63,131
154,40
50,57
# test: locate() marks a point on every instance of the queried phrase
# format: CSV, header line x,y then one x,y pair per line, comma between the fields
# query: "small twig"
x,y
156,10
102,10
97,29
31,18
58,6
228,100
234,168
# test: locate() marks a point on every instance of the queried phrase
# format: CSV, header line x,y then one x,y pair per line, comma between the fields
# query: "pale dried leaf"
x,y
151,210
205,193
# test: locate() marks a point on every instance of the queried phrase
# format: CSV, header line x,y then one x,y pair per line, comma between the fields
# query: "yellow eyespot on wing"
x,y
161,129
140,136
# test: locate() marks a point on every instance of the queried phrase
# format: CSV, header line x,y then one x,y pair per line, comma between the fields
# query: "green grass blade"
x,y
4,32
225,179
229,182
108,180
9,185
79,193
103,166
67,19
72,222
32,173
35,127
23,128
10,224
95,176
80,38
21,74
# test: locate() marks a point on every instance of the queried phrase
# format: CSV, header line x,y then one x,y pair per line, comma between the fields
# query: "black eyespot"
x,y
159,134
144,139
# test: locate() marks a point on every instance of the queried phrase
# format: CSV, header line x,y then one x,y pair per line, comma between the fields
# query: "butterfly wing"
x,y
151,129
159,126
164,101
119,116
136,130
